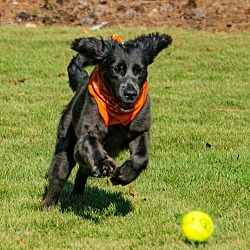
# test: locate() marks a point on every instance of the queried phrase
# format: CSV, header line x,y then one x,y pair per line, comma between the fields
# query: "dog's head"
x,y
123,66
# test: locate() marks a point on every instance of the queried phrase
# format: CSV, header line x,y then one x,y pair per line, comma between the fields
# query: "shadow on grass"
x,y
95,204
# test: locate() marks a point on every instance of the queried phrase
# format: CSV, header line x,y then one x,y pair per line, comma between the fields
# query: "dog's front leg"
x,y
137,162
90,154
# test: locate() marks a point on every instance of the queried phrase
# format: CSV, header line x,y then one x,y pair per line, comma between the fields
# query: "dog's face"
x,y
124,72
123,66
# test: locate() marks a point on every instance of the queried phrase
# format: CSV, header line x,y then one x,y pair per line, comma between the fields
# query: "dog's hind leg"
x,y
60,169
80,180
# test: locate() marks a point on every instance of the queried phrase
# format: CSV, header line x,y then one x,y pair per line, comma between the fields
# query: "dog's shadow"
x,y
95,204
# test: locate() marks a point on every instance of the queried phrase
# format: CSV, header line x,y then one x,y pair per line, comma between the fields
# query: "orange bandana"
x,y
117,38
107,105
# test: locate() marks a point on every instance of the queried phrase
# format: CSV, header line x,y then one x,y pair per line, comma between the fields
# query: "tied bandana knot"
x,y
107,105
117,38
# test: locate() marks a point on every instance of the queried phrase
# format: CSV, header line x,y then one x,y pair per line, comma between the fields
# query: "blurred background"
x,y
209,15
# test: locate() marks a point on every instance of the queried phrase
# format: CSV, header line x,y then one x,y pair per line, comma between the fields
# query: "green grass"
x,y
198,97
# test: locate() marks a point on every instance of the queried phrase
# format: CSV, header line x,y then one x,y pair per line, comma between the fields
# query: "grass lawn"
x,y
199,154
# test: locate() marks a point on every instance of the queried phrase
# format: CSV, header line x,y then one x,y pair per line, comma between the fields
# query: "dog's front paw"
x,y
107,168
124,175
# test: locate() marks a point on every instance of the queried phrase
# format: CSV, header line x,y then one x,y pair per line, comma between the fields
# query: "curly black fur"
x,y
82,135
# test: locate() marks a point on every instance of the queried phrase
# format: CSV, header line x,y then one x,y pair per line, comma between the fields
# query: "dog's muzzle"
x,y
129,94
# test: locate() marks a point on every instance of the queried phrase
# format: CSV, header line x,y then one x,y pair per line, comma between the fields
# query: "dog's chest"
x,y
116,140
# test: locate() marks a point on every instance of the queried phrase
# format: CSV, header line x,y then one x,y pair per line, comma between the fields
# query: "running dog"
x,y
109,112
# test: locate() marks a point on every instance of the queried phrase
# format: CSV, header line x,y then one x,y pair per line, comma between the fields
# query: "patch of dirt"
x,y
209,15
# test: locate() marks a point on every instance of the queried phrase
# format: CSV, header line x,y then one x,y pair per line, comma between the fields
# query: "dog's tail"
x,y
76,73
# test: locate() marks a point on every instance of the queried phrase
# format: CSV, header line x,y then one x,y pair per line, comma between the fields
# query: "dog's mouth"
x,y
126,106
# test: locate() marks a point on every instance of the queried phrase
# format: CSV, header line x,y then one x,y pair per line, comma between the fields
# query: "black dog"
x,y
110,112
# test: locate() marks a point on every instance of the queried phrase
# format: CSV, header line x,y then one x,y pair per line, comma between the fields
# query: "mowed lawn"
x,y
199,152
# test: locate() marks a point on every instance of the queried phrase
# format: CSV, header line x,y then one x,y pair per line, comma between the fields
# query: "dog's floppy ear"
x,y
152,44
94,50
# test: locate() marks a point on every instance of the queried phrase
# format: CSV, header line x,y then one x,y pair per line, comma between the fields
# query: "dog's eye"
x,y
138,71
118,69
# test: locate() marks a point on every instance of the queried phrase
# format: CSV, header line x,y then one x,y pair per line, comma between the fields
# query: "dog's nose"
x,y
130,93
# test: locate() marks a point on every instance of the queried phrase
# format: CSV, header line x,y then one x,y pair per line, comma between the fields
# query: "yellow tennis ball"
x,y
197,226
